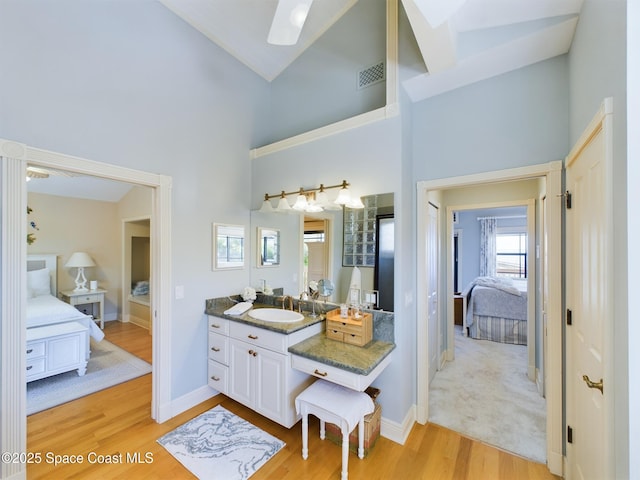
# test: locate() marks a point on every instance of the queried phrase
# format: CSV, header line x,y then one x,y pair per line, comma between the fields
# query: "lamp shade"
x,y
80,259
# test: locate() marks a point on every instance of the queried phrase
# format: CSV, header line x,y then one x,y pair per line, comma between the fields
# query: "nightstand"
x,y
86,302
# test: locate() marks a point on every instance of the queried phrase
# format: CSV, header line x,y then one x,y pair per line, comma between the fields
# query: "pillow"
x,y
38,282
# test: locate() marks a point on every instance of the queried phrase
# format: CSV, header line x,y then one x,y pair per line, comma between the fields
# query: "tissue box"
x,y
371,432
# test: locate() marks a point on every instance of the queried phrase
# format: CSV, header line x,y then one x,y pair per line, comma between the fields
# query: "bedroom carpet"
x,y
108,365
485,394
220,445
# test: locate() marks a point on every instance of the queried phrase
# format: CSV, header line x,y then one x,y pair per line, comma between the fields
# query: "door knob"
x,y
599,385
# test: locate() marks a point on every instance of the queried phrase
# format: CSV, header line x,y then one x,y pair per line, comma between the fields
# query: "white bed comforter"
x,y
47,309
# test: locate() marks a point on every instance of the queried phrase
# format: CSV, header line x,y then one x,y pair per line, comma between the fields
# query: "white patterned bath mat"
x,y
220,445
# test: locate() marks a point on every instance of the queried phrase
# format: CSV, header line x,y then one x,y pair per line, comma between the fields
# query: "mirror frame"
x,y
262,234
217,231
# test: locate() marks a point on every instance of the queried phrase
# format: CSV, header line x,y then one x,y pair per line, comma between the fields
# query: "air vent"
x,y
371,75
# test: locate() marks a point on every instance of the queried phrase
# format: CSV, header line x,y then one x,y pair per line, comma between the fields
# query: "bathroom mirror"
x,y
228,250
268,247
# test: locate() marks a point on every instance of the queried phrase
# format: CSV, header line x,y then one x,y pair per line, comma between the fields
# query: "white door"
x,y
432,294
589,277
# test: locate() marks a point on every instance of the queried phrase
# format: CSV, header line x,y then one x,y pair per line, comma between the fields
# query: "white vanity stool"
x,y
334,404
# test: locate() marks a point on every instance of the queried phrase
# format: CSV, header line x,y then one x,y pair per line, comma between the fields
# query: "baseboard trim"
x,y
185,402
398,432
556,463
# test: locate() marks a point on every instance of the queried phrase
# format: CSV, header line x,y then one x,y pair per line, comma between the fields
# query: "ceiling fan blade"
x,y
288,21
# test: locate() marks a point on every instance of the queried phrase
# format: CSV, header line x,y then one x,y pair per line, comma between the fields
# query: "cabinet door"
x,y
240,371
270,374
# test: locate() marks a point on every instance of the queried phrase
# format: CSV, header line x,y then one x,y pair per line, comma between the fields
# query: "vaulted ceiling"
x,y
461,41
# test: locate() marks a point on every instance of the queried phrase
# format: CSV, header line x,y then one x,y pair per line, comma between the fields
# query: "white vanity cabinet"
x,y
258,371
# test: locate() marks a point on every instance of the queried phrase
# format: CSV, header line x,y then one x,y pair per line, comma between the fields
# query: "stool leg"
x,y
322,430
305,436
361,438
345,453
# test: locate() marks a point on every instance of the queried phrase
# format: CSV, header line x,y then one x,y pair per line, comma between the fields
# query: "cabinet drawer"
x,y
218,376
219,325
259,337
35,349
354,339
219,348
335,335
36,366
327,372
345,327
89,298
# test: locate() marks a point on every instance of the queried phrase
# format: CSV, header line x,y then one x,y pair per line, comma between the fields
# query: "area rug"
x,y
220,445
485,394
108,365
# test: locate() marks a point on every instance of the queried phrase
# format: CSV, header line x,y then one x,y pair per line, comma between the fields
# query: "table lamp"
x,y
80,260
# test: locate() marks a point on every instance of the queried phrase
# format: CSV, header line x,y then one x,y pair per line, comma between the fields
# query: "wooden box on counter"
x,y
355,331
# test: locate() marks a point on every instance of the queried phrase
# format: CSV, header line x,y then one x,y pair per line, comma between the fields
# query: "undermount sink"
x,y
276,315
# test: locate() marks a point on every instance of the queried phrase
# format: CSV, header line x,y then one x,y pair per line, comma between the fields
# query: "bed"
x,y
54,326
495,308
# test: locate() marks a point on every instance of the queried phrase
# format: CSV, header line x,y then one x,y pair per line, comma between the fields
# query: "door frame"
x,y
552,172
15,157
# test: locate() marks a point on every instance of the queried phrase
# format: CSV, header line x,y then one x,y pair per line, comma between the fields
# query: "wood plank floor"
x,y
115,423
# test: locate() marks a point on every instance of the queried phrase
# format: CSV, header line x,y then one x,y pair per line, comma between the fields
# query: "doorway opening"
x,y
14,169
548,178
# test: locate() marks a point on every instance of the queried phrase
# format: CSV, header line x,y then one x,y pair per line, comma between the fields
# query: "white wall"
x,y
129,83
597,64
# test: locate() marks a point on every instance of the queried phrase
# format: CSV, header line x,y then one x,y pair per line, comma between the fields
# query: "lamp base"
x,y
81,281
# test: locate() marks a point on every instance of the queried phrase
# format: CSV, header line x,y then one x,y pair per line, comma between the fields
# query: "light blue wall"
x,y
130,84
320,87
597,64
517,119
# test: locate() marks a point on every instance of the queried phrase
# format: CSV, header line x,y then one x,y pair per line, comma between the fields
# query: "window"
x,y
511,253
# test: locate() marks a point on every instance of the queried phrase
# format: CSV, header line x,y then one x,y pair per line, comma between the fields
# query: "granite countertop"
x,y
352,358
217,307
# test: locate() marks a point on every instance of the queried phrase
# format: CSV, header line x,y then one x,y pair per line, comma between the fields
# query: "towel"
x,y
346,403
238,308
356,282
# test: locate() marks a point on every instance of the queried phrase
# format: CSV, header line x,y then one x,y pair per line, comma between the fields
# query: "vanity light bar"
x,y
301,191
308,201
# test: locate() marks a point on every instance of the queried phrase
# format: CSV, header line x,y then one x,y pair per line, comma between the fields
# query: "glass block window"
x,y
359,243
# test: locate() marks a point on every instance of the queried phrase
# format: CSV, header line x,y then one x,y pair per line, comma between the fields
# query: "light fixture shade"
x,y
301,203
344,197
266,207
283,205
80,259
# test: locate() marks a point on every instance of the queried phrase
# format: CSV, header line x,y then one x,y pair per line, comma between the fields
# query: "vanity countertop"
x,y
217,308
352,358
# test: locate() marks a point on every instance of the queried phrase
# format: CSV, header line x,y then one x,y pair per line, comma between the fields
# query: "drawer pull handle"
x,y
318,372
29,351
29,367
215,379
215,325
215,349
252,337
